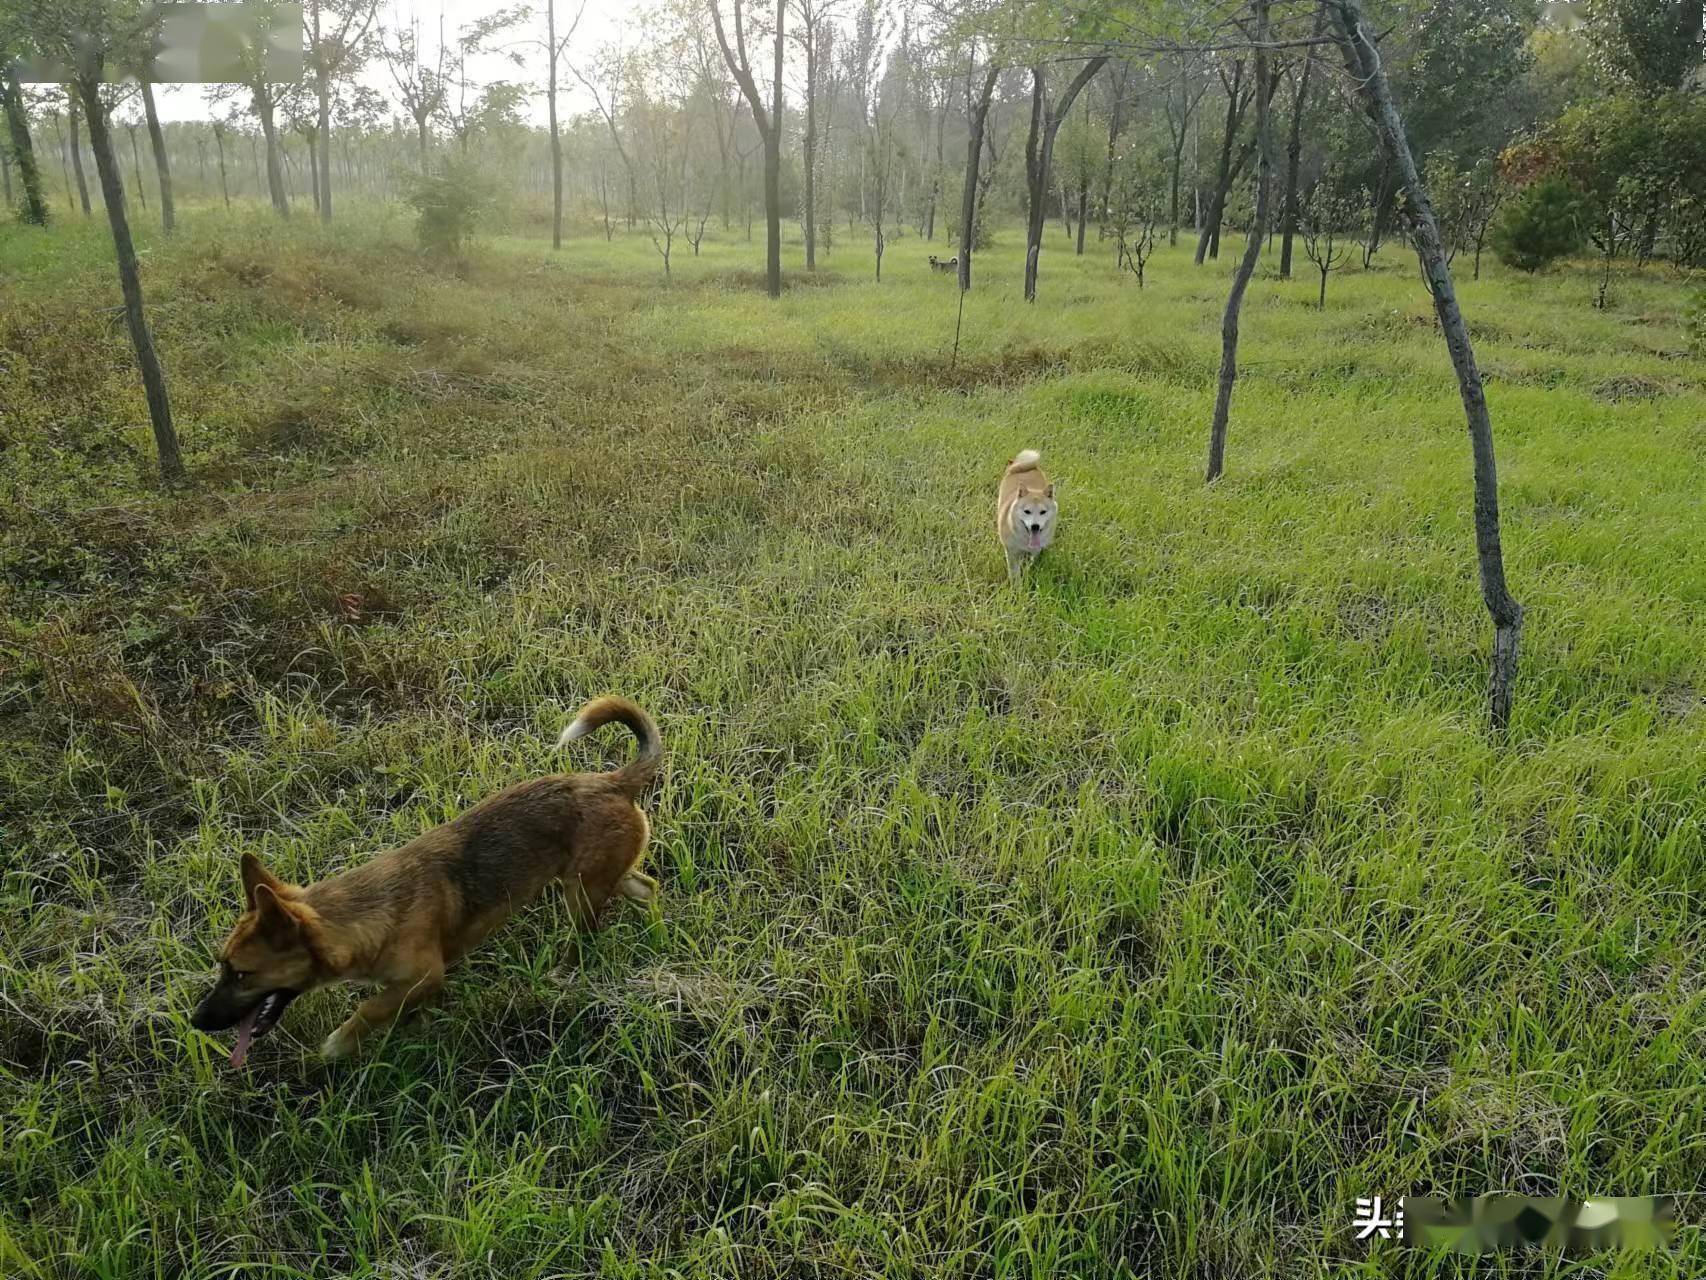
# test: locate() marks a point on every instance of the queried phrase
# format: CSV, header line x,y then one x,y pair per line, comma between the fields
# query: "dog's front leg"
x,y
380,1011
1015,565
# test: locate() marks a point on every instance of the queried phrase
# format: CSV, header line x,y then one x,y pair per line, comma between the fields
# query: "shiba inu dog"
x,y
1025,512
952,264
407,915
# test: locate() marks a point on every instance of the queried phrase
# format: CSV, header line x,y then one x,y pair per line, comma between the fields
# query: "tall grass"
x,y
1134,924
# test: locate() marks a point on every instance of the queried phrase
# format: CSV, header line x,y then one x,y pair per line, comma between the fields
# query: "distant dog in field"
x,y
1025,512
404,917
952,264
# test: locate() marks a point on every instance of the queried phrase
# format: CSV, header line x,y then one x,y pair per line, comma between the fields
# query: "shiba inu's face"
x,y
266,963
1033,516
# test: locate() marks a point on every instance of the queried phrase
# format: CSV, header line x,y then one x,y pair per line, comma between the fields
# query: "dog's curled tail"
x,y
635,776
1026,461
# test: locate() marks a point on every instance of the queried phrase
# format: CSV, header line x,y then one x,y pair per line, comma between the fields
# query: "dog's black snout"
x,y
217,1011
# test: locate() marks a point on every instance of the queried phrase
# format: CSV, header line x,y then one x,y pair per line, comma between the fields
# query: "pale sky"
x,y
603,22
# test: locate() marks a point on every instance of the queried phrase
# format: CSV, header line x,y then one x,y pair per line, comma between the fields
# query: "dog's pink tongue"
x,y
1036,540
245,1036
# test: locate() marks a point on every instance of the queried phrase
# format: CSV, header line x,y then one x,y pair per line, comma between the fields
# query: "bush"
x,y
1694,323
1543,224
448,203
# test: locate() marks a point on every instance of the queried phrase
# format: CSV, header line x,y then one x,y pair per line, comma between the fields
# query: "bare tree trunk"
x,y
1083,211
556,130
1223,175
979,118
6,173
275,170
136,167
1362,59
773,172
811,156
1247,267
1039,156
1294,154
34,207
224,186
130,280
77,157
162,169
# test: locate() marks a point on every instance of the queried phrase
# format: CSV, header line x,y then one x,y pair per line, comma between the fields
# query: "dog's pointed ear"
x,y
1049,492
278,923
254,876
1022,492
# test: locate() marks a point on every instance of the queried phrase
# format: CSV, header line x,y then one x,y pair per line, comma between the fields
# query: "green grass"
x,y
1134,924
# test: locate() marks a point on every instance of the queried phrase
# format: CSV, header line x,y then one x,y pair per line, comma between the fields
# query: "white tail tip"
x,y
579,729
1027,458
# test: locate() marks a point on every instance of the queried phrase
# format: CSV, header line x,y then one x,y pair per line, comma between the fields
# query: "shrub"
x,y
1694,323
448,202
1543,224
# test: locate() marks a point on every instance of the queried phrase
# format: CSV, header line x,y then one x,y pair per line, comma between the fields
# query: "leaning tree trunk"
x,y
1223,175
130,280
1039,156
136,168
1294,154
974,153
1362,60
33,209
810,142
275,170
556,130
162,170
77,158
1246,267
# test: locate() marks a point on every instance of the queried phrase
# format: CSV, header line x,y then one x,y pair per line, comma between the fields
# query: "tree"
x,y
767,120
33,208
1363,65
1262,92
977,116
1466,201
1651,46
882,155
1294,151
1541,225
420,88
554,47
1180,106
265,99
87,36
810,32
337,45
1134,209
1039,155
157,143
74,110
1329,223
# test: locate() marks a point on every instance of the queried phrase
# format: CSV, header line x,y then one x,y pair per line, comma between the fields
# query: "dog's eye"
x,y
242,975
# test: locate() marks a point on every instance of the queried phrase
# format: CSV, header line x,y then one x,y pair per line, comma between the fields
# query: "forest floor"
x,y
1134,923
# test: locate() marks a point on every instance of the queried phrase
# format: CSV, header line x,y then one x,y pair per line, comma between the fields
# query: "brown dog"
x,y
406,916
1025,512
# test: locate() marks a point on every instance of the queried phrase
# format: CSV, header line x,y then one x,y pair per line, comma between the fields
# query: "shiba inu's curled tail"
x,y
1026,461
635,776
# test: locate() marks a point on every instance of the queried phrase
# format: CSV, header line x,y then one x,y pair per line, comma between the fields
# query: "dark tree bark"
x,y
1294,152
809,38
1083,211
768,122
219,144
33,208
77,155
977,120
1039,156
556,129
1237,100
88,87
136,166
275,170
162,169
6,173
1252,250
1362,60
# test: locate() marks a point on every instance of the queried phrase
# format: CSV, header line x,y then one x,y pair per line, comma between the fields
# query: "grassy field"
x,y
1133,924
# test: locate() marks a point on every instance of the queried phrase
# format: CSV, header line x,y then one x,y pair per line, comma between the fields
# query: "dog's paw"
x,y
638,887
340,1044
